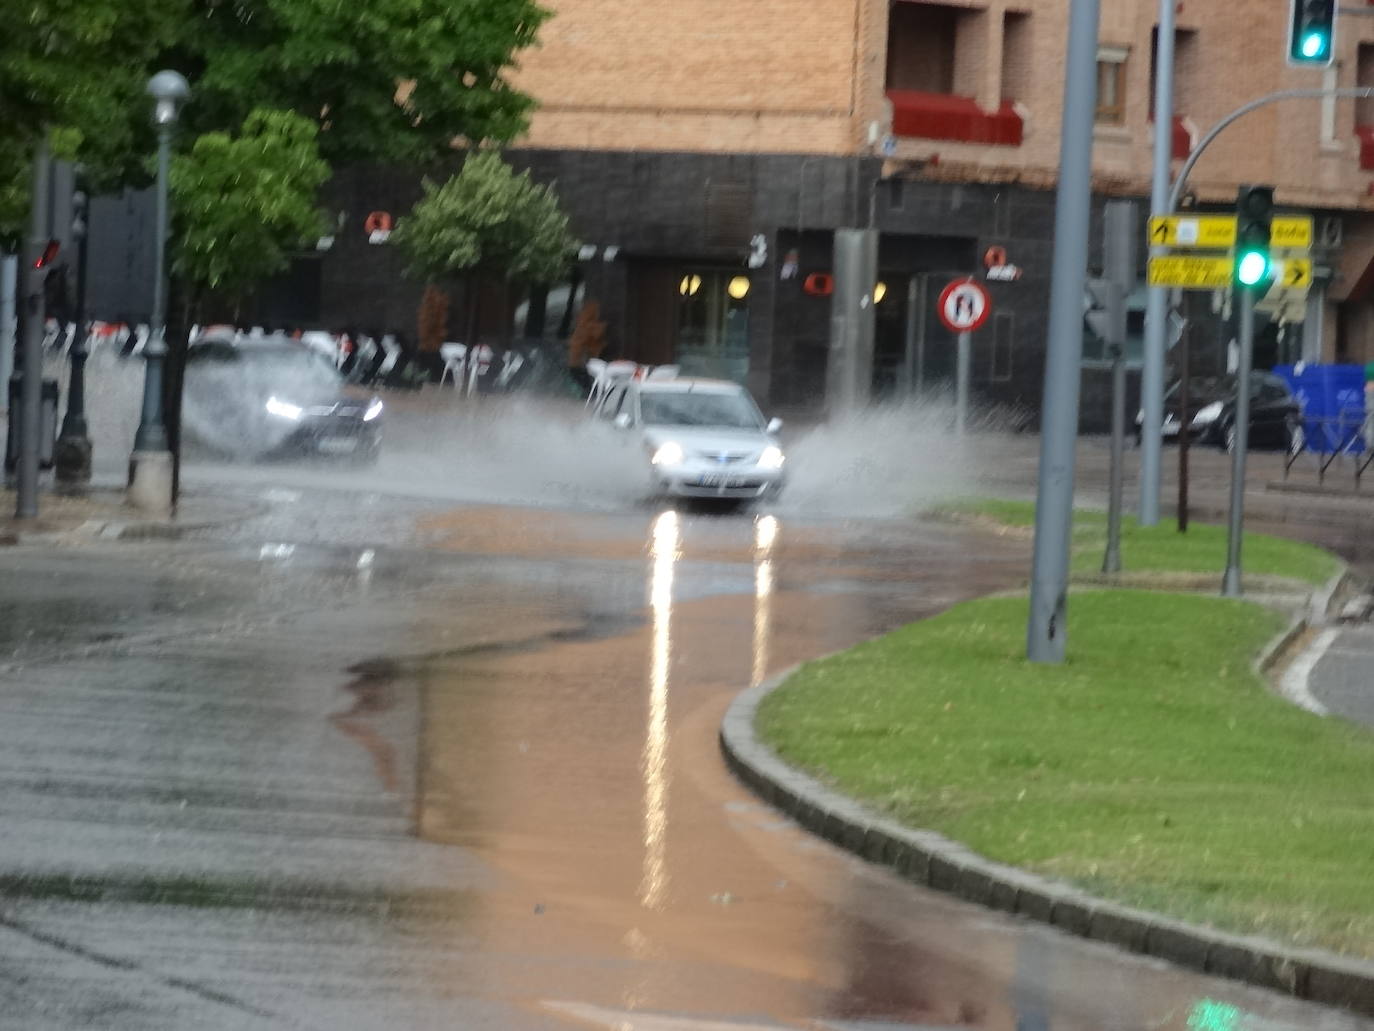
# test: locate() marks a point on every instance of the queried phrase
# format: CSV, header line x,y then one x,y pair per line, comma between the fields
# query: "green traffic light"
x,y
1314,45
1252,268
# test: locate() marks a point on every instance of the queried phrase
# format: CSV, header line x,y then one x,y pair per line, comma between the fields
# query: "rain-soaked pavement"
x,y
376,759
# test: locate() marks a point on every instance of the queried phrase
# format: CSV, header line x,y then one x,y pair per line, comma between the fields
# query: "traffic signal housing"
x,y
1254,219
1312,33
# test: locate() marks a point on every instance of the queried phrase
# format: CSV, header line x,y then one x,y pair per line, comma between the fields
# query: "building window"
x,y
713,323
921,44
1111,86
1017,56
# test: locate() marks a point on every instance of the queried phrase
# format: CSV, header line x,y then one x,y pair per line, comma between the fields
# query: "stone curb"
x,y
141,529
933,861
1319,611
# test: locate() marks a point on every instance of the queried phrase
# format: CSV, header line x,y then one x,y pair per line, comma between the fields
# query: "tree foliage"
x,y
80,64
382,80
243,202
486,220
391,80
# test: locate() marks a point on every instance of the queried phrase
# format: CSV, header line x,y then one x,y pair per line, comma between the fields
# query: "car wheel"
x,y
1228,437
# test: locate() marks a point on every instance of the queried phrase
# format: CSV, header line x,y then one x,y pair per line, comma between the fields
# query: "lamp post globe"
x,y
150,465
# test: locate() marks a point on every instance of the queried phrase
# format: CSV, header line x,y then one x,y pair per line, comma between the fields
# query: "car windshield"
x,y
733,410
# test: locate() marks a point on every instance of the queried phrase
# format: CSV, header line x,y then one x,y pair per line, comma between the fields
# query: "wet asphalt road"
x,y
375,759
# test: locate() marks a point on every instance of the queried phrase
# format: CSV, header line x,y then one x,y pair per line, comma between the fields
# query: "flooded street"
x,y
406,750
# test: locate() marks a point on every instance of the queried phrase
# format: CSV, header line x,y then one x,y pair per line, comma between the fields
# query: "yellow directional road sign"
x,y
1218,232
1293,274
1206,232
1191,273
1291,233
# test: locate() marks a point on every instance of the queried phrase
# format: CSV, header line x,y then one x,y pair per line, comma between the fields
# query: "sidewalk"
x,y
102,512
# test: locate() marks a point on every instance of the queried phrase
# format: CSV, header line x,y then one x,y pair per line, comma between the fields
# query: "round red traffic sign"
x,y
964,306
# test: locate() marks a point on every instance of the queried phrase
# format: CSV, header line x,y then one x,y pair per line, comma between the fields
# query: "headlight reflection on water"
x,y
664,550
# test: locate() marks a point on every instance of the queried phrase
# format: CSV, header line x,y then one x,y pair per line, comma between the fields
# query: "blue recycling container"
x,y
1332,399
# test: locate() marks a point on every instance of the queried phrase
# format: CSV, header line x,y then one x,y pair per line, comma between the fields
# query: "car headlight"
x,y
772,458
373,410
670,453
284,409
1207,415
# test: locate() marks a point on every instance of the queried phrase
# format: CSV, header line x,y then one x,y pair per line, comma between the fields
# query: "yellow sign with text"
x,y
1218,232
1291,233
1191,273
1205,232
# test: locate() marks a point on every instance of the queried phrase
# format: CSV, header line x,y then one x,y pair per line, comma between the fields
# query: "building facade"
x,y
707,151
682,134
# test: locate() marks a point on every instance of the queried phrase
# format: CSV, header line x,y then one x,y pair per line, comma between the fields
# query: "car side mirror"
x,y
622,421
774,425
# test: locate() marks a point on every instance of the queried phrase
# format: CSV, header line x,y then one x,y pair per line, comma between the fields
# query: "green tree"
x,y
391,80
243,202
79,67
486,222
382,80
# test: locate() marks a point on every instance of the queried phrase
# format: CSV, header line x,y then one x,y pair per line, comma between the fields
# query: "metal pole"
x,y
152,471
1120,267
152,435
1185,372
30,420
849,372
964,373
1230,584
9,276
1157,300
1111,561
1046,631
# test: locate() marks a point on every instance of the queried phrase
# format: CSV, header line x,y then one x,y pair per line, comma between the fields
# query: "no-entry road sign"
x,y
964,306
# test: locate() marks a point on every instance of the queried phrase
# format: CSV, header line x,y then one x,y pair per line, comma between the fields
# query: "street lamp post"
x,y
72,453
150,465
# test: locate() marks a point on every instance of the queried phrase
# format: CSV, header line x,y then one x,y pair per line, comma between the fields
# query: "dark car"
x,y
272,397
1275,414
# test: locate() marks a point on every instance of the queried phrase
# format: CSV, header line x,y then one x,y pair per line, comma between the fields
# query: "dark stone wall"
x,y
694,208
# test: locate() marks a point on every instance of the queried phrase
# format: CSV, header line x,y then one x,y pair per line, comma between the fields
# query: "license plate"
x,y
338,445
720,481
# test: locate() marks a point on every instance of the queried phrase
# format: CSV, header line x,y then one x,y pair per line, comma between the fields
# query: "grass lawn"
x,y
1154,767
1161,548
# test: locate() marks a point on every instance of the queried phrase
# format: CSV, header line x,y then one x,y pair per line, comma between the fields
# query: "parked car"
x,y
701,438
1275,415
271,397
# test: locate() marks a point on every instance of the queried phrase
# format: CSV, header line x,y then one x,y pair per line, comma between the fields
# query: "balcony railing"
x,y
943,116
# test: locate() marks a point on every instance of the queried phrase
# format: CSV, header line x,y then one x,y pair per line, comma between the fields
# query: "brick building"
x,y
703,124
708,149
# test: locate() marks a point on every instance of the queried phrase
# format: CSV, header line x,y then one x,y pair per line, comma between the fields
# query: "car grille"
x,y
725,457
344,410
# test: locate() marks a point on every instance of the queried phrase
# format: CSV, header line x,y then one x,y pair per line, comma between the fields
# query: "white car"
x,y
702,438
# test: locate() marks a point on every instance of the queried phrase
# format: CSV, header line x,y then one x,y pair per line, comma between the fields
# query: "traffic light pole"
x,y
1046,632
1231,581
1119,250
31,391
